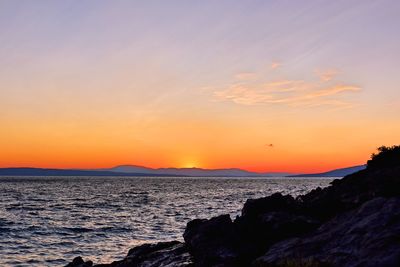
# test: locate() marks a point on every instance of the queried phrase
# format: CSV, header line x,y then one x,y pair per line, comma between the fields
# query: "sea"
x,y
47,221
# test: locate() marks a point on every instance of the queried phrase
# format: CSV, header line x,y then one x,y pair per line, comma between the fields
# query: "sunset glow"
x,y
207,85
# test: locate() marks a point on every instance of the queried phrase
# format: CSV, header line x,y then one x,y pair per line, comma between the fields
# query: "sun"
x,y
189,164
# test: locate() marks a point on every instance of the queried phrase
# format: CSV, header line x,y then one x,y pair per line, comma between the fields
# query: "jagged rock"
x,y
267,221
275,202
212,242
163,254
368,236
79,262
350,192
256,234
221,242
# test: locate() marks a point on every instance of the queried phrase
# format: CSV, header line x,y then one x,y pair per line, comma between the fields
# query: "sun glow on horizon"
x,y
189,164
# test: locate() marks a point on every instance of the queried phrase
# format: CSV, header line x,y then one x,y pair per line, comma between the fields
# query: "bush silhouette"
x,y
386,158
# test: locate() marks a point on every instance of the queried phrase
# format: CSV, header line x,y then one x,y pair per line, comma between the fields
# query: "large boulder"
x,y
368,236
268,220
221,242
212,242
163,254
79,262
276,202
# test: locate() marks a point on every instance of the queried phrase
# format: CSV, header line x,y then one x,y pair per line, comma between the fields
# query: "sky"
x,y
298,86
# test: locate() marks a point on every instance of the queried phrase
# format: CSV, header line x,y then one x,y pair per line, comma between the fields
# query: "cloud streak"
x,y
288,92
275,65
246,76
326,75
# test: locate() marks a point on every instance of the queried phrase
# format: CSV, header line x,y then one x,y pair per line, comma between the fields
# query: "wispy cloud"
x,y
275,65
246,76
326,75
324,92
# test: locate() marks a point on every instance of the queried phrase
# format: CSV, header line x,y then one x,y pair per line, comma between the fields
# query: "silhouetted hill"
x,y
131,170
62,172
335,173
199,172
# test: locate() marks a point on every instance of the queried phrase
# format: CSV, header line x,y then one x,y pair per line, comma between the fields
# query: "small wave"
x,y
4,229
55,261
113,229
63,244
25,208
33,261
78,229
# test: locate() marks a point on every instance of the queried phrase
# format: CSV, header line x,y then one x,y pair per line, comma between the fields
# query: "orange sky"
x,y
192,142
210,85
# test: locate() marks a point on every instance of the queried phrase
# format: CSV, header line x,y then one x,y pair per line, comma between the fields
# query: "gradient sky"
x,y
300,86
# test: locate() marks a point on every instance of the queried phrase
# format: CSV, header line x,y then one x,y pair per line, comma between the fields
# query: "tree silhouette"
x,y
388,156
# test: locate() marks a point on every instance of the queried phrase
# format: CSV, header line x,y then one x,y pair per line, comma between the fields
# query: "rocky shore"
x,y
353,222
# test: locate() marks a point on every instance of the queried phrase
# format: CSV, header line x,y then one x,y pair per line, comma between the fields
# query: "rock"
x,y
275,202
256,234
163,254
221,242
145,249
212,242
79,262
350,192
368,236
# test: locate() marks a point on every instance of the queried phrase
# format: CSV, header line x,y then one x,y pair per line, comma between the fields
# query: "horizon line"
x,y
177,168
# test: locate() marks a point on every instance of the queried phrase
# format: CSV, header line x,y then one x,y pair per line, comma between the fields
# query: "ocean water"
x,y
47,221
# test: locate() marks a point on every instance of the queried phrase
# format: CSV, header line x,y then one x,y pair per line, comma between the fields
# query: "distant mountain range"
x,y
66,172
192,171
131,170
334,173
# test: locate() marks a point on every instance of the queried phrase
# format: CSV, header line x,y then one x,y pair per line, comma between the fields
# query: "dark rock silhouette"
x,y
212,242
78,262
161,254
368,236
353,222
